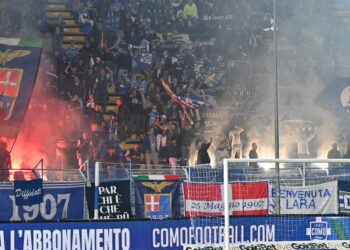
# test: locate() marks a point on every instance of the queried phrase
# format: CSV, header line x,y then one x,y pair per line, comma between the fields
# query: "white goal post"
x,y
276,162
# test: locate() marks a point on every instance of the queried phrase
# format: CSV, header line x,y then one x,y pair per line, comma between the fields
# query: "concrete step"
x,y
56,12
79,44
55,6
67,21
74,36
72,29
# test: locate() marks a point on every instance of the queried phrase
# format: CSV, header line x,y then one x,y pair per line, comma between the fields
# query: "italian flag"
x,y
21,42
166,177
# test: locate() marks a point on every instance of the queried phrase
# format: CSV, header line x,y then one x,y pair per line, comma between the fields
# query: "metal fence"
x,y
291,174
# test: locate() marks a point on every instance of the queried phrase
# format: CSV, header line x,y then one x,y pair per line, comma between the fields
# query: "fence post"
x,y
304,174
97,184
42,168
87,162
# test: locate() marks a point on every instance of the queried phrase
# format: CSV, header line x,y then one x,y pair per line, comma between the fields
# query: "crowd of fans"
x,y
197,47
203,49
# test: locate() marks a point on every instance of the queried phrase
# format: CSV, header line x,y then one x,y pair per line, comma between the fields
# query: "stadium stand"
x,y
108,58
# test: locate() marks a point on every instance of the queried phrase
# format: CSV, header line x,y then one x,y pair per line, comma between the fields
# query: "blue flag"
x,y
60,200
344,197
28,193
144,61
18,70
336,98
157,199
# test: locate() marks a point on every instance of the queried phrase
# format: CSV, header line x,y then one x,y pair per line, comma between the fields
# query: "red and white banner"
x,y
247,198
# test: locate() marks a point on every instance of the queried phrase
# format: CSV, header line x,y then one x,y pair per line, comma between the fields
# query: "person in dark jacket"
x,y
172,151
5,162
186,138
203,156
110,162
334,153
253,154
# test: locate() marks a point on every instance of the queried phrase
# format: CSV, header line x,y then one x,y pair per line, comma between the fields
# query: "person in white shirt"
x,y
221,153
235,142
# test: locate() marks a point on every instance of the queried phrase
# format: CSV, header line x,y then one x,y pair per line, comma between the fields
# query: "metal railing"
x,y
292,174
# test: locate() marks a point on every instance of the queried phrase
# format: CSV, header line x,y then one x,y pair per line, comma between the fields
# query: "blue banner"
x,y
113,200
157,199
344,197
61,200
28,193
18,70
143,62
170,234
336,98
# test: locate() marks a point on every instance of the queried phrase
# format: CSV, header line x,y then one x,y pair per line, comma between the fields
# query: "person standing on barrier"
x,y
203,156
221,153
111,157
334,153
5,162
135,156
173,153
235,141
150,147
186,137
84,149
253,154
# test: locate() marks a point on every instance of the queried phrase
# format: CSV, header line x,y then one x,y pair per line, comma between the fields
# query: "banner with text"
x,y
113,201
28,193
247,198
157,199
315,199
61,200
344,197
173,234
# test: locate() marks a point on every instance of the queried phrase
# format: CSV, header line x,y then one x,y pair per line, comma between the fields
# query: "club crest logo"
x,y
318,230
10,83
10,80
157,205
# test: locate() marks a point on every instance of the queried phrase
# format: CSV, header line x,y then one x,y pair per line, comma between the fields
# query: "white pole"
x,y
97,184
304,177
226,207
272,160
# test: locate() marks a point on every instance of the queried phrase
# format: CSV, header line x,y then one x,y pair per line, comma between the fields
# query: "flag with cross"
x,y
157,197
19,64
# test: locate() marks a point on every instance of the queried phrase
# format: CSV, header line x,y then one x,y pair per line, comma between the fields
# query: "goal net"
x,y
250,202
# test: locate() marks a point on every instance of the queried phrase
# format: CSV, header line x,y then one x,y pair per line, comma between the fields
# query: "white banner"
x,y
315,199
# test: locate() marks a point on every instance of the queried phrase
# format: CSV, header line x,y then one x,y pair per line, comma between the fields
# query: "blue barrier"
x,y
171,234
61,200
